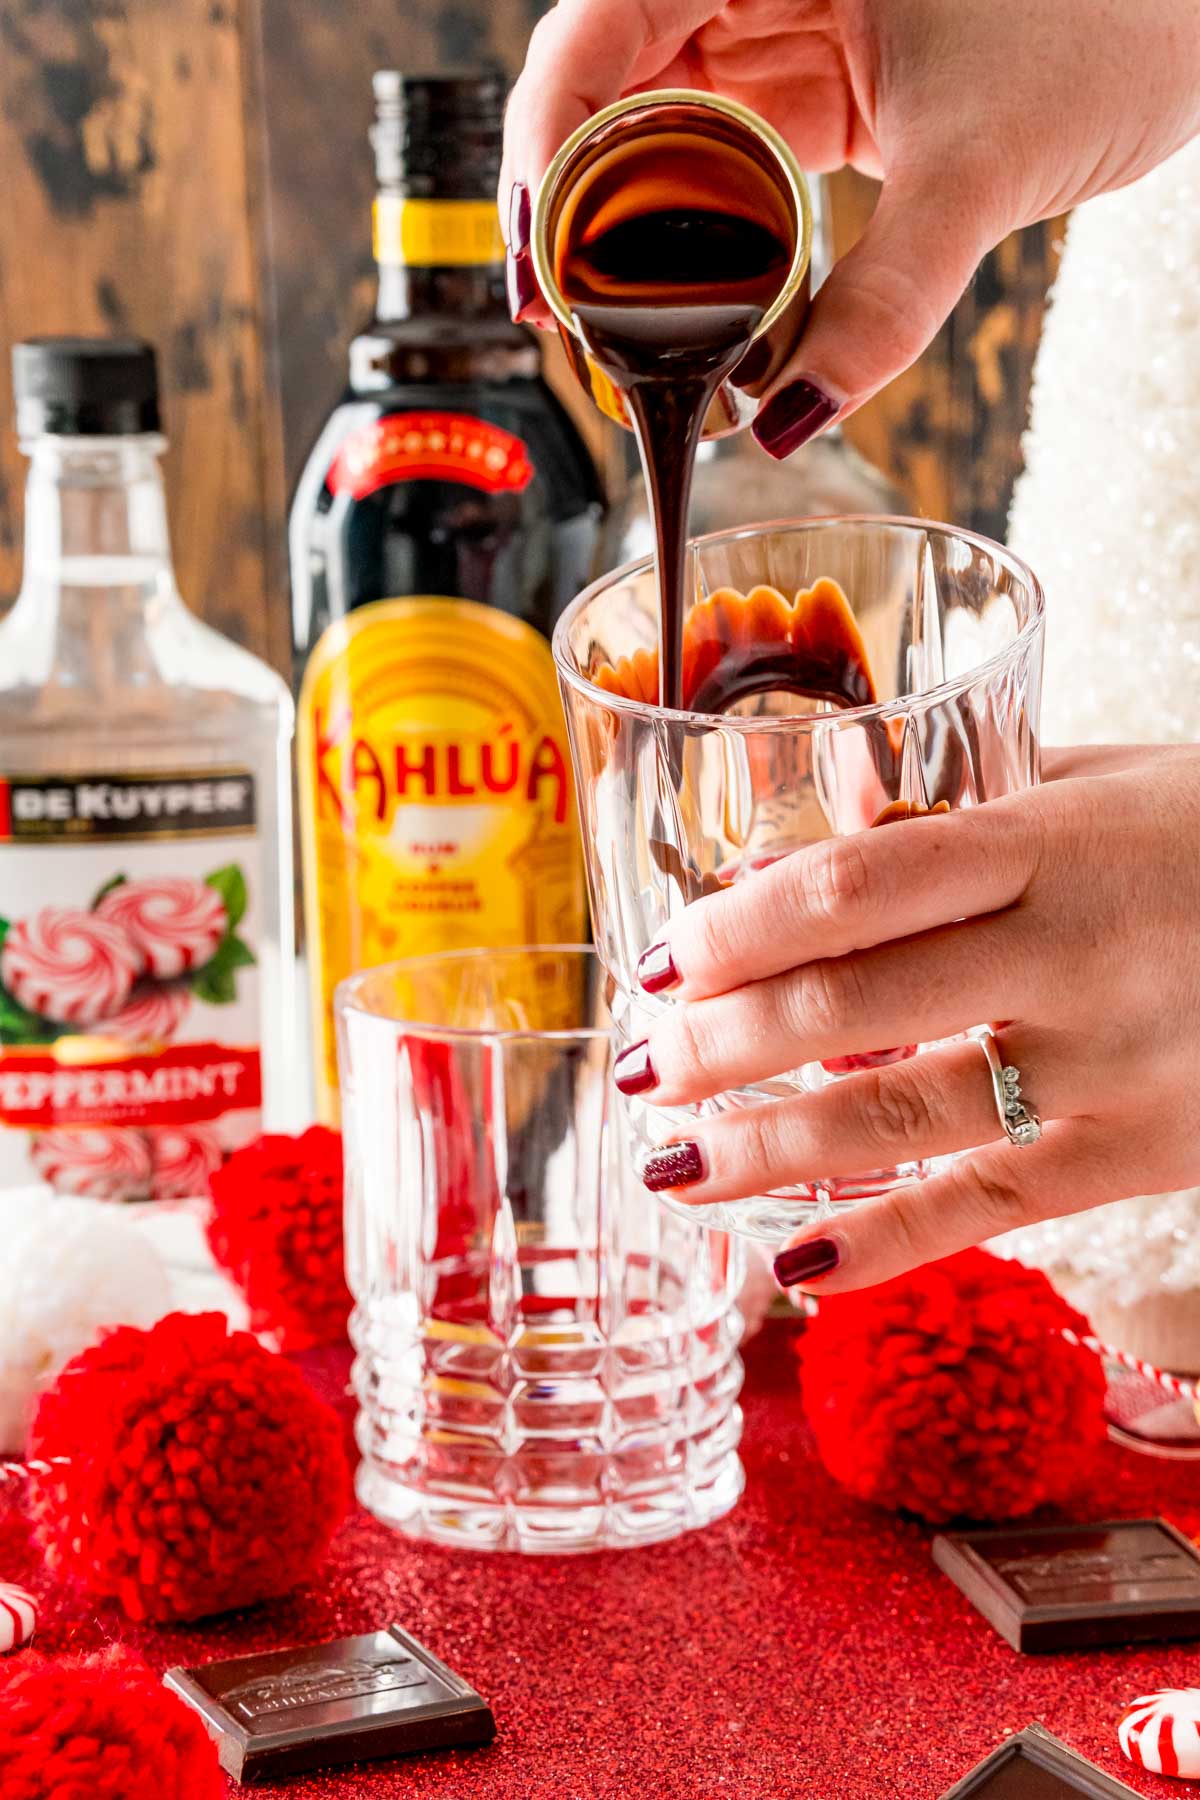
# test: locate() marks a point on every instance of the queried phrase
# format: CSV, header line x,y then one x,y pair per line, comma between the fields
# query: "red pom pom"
x,y
204,1473
276,1226
949,1394
99,1728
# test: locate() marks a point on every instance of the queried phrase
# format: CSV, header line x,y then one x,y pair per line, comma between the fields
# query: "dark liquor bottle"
x,y
447,513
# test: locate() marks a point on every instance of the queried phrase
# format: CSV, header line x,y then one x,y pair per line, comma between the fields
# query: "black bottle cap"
x,y
85,387
439,137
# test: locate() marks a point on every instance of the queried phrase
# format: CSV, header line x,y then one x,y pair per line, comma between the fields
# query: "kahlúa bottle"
x,y
446,515
145,887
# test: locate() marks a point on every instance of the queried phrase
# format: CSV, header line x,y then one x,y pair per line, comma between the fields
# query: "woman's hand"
x,y
980,115
1069,916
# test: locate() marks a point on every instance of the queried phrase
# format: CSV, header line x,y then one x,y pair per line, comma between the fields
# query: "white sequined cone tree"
x,y
1108,509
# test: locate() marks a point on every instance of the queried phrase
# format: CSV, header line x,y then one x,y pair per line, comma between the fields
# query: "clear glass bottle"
x,y
146,961
736,483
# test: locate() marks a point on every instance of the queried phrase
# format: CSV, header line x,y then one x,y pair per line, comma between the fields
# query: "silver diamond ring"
x,y
1021,1124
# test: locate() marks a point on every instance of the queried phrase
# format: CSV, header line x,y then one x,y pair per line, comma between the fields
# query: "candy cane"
x,y
1176,1385
22,1471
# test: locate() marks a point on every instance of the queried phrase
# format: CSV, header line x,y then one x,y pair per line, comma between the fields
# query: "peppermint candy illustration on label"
x,y
152,1013
175,921
68,965
184,1158
109,1162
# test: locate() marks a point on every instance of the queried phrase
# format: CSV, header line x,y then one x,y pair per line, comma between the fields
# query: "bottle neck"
x,y
96,522
443,257
412,292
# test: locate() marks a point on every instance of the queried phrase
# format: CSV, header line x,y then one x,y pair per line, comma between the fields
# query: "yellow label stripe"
x,y
437,233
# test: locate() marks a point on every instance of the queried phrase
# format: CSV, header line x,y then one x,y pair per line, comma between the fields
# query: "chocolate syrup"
x,y
736,645
667,302
669,247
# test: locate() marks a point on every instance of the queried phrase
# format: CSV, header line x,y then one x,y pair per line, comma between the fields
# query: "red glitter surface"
x,y
804,1647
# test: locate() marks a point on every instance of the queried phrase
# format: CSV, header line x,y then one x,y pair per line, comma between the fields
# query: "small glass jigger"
x,y
674,805
546,1361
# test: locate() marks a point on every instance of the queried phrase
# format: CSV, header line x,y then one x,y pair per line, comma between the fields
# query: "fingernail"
x,y
675,1165
519,283
519,214
803,1262
795,414
656,970
633,1071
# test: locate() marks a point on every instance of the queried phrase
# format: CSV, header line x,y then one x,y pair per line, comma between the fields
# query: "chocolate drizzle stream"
x,y
669,262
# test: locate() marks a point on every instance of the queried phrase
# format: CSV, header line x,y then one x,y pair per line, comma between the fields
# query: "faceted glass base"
x,y
773,1218
547,1528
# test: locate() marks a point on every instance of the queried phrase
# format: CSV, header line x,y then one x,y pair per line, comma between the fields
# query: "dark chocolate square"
x,y
1078,1587
1035,1765
288,1711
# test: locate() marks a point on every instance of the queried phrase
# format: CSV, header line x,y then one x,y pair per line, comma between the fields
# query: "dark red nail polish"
x,y
519,283
794,415
804,1262
519,218
675,1165
633,1071
656,971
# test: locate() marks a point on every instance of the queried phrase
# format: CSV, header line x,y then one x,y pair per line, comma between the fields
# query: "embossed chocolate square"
x,y
1035,1765
289,1711
1078,1587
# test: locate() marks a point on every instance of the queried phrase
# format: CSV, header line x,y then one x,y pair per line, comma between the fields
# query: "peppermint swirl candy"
x,y
151,1014
184,1158
18,1616
69,965
176,923
101,1162
1161,1732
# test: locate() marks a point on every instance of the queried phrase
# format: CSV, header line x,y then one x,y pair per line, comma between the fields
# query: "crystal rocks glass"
x,y
545,1361
674,804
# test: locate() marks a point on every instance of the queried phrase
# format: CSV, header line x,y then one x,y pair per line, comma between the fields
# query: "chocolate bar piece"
x,y
1035,1765
289,1711
1077,1587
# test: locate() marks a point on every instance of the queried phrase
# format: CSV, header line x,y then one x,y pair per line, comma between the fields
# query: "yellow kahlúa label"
x,y
436,802
437,234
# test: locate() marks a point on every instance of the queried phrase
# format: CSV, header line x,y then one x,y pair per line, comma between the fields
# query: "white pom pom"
x,y
18,1616
69,1268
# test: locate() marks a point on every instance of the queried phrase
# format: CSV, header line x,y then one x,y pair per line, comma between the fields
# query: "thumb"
x,y
880,306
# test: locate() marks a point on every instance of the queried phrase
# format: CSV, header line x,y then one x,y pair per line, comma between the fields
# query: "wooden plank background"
x,y
197,171
130,135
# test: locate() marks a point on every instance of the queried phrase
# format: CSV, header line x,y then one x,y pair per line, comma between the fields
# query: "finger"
x,y
929,1105
1077,1164
812,110
1082,760
849,893
912,992
881,304
582,55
